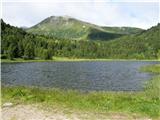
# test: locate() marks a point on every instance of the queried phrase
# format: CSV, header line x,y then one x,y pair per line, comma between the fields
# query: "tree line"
x,y
16,43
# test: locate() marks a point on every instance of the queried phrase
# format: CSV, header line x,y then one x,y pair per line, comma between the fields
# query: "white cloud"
x,y
103,13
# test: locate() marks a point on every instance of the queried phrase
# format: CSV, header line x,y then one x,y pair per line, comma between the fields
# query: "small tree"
x,y
46,54
29,51
11,52
158,54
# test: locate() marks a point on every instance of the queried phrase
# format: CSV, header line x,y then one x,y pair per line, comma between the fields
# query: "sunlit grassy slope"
x,y
69,28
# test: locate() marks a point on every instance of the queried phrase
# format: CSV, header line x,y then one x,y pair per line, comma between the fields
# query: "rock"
x,y
8,104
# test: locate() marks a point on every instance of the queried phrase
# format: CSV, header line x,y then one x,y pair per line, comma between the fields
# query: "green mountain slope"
x,y
143,45
65,27
16,43
123,30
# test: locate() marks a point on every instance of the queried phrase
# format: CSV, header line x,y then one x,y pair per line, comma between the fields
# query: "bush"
x,y
3,56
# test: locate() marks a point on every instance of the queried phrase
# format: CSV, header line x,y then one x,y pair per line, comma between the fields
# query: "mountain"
x,y
140,46
123,30
65,27
24,27
17,43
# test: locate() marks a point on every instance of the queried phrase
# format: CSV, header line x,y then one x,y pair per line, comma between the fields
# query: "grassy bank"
x,y
151,68
153,86
146,103
69,59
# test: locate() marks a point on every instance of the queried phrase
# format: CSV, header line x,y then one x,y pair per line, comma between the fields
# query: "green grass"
x,y
145,103
97,101
153,86
61,59
151,68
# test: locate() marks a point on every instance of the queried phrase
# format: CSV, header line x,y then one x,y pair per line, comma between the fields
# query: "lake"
x,y
85,76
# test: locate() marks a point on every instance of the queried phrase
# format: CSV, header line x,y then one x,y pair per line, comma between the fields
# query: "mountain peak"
x,y
65,18
72,28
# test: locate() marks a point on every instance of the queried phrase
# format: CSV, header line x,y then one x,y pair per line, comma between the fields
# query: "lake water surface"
x,y
87,76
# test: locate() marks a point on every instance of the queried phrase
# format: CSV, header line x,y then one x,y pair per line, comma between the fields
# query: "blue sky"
x,y
140,13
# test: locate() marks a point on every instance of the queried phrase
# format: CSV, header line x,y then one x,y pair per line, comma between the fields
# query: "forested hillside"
x,y
65,27
16,43
145,45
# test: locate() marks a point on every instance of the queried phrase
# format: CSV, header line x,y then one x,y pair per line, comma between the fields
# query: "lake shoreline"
x,y
64,59
145,103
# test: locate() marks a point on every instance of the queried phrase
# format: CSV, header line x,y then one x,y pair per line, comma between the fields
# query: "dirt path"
x,y
31,112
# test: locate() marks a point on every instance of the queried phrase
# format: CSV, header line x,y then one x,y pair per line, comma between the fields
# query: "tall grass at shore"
x,y
152,88
146,103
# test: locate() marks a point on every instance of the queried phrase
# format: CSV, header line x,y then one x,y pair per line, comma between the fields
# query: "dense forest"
x,y
17,43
